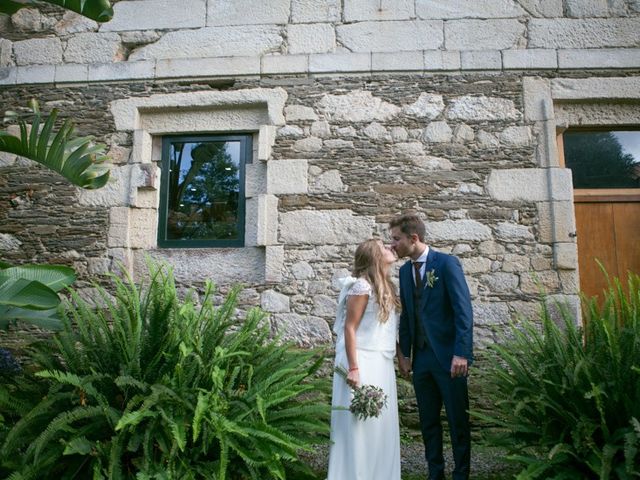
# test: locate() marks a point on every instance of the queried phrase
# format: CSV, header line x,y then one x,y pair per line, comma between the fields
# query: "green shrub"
x,y
152,387
565,400
14,392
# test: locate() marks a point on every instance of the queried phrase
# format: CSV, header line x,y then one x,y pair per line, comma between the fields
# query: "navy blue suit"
x,y
445,312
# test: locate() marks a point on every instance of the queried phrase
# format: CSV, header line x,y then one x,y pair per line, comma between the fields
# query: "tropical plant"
x,y
565,401
29,293
98,10
151,386
32,298
75,158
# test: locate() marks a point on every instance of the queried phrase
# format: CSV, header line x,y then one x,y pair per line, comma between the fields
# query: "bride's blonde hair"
x,y
369,264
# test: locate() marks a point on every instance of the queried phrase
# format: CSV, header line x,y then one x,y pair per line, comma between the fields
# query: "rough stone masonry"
x,y
359,109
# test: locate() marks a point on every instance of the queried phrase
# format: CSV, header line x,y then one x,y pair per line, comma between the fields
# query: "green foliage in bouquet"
x,y
154,387
565,401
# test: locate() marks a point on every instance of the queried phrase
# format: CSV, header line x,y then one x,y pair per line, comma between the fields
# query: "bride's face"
x,y
388,255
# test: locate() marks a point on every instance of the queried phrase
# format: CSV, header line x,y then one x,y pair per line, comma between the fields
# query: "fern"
x,y
21,433
564,398
150,380
115,457
61,423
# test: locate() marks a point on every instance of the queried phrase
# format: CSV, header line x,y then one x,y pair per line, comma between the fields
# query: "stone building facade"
x,y
358,110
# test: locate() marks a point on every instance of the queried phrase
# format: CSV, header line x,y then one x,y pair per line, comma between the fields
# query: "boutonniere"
x,y
430,277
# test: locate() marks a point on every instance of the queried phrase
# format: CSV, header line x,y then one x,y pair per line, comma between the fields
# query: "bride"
x,y
366,326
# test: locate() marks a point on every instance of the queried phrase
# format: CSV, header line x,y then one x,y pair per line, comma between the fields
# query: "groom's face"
x,y
401,243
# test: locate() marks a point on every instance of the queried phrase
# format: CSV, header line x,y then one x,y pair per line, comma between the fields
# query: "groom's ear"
x,y
414,238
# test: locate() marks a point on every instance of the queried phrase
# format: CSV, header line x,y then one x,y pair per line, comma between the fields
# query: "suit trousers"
x,y
434,387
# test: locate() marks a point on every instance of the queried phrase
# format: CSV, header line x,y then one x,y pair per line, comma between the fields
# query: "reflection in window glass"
x,y
203,195
603,159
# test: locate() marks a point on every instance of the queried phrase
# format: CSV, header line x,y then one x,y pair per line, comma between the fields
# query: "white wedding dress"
x,y
365,449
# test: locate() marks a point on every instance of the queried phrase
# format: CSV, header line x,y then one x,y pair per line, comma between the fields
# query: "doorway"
x,y
605,166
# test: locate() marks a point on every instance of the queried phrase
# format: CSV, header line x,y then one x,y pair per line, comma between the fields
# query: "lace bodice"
x,y
360,287
371,334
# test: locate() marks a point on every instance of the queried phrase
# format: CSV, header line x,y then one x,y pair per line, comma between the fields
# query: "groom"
x,y
436,326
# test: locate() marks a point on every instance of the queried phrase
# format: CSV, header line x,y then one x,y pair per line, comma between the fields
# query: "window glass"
x,y
603,159
202,198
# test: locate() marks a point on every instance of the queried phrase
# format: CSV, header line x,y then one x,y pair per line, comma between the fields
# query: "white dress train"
x,y
365,449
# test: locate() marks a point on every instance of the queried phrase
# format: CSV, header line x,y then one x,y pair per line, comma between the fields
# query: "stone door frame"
x,y
553,105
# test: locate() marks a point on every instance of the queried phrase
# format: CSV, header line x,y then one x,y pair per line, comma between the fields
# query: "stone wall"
x,y
449,147
360,109
202,38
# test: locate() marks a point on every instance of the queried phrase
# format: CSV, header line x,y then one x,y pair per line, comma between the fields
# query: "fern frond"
x,y
115,457
60,424
19,434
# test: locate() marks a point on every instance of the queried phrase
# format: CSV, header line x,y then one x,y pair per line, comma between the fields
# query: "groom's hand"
x,y
459,367
404,364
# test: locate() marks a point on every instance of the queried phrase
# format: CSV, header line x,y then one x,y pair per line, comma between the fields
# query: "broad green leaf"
x,y
47,319
55,277
24,293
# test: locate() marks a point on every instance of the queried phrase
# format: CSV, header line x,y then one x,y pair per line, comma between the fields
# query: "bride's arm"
x,y
356,305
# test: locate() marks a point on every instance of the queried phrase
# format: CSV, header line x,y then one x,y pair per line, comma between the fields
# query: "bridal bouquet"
x,y
368,400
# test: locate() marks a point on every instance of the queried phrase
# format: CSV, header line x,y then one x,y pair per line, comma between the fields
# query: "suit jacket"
x,y
445,309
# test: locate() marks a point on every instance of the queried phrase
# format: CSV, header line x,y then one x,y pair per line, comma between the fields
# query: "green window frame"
x,y
202,194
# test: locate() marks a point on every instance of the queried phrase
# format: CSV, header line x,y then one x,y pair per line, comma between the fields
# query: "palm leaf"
x,y
98,10
76,159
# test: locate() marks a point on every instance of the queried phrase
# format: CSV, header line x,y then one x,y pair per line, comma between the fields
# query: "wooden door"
x,y
605,168
609,233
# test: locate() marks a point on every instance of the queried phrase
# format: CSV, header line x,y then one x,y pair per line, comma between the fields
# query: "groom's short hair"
x,y
409,224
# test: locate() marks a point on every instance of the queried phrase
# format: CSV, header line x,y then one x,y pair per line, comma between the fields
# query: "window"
x,y
603,159
202,201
